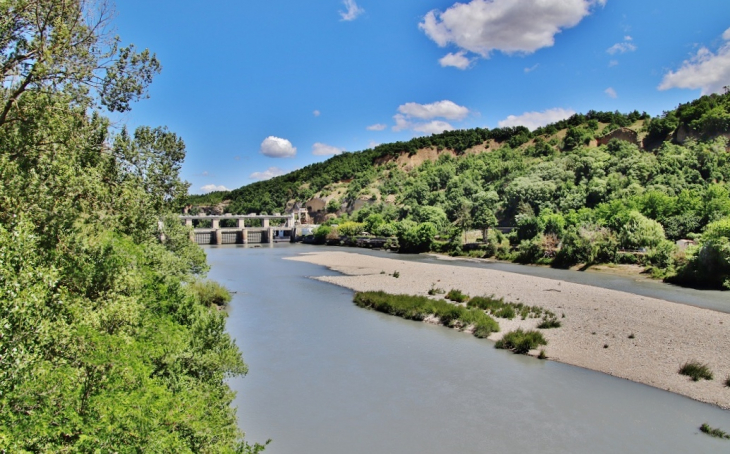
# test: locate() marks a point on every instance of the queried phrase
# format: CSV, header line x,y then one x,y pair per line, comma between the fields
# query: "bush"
x,y
457,296
350,229
548,323
210,293
662,255
520,341
531,251
420,307
713,432
708,266
696,370
638,231
321,233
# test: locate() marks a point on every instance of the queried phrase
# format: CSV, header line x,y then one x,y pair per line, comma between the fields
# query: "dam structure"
x,y
243,229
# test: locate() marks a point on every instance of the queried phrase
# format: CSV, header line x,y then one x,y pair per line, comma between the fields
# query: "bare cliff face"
x,y
625,134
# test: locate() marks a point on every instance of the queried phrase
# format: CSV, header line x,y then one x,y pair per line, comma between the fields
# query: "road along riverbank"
x,y
638,338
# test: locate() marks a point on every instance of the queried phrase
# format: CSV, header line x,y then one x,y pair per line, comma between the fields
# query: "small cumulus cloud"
x,y
433,127
267,174
276,147
316,113
534,120
444,109
415,116
531,68
373,144
611,92
612,63
353,11
706,70
237,158
376,127
212,188
621,48
508,26
322,149
628,38
457,60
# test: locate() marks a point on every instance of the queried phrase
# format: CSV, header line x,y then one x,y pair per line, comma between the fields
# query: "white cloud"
x,y
433,127
612,63
353,10
401,123
376,127
211,188
443,109
276,147
534,120
481,26
373,144
316,113
621,48
414,116
322,149
531,68
611,92
457,60
628,38
707,71
267,174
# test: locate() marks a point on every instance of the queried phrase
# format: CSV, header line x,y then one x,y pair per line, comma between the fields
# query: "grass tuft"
x,y
396,274
456,296
210,292
713,432
696,370
435,290
542,354
548,323
727,381
520,341
631,336
420,307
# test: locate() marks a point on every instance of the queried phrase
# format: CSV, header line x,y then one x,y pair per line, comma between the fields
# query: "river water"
x,y
328,377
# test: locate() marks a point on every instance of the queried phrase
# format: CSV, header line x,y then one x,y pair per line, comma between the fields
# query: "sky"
x,y
258,89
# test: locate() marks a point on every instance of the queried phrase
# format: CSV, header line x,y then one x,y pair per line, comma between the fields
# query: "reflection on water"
x,y
328,377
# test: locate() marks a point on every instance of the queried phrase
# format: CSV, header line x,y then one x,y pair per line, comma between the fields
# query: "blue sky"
x,y
246,83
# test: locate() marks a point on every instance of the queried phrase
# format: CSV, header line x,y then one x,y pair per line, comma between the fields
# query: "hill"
x,y
605,186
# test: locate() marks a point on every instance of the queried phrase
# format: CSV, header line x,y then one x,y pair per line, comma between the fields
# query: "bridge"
x,y
242,229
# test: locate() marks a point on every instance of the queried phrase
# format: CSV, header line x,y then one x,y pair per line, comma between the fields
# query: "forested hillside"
x,y
109,341
570,199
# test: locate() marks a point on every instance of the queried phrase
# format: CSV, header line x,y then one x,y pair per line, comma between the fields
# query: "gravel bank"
x,y
665,334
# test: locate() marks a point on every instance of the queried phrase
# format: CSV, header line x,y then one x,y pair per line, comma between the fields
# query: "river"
x,y
328,377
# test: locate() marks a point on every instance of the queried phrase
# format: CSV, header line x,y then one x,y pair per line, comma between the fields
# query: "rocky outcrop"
x,y
625,134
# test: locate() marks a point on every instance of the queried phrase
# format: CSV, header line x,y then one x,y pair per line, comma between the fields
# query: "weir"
x,y
248,229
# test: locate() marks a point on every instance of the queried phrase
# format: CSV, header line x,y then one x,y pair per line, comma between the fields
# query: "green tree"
x,y
106,342
333,206
638,231
47,45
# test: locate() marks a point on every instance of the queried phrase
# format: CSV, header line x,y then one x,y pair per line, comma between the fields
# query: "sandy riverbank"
x,y
666,334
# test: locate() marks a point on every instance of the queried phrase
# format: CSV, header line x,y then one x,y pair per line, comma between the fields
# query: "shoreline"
x,y
647,339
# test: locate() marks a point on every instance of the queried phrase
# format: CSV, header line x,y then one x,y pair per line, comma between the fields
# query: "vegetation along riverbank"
x,y
599,187
110,338
642,339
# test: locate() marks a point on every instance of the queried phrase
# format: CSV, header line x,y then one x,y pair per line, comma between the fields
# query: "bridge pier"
x,y
244,236
270,234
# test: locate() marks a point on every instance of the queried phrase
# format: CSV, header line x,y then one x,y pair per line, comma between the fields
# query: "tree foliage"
x,y
107,341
